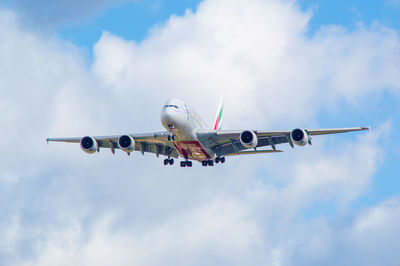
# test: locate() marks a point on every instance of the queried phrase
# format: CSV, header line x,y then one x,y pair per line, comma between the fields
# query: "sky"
x,y
76,68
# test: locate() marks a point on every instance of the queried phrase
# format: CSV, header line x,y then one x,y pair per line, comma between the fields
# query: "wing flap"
x,y
156,143
252,152
315,132
226,142
69,140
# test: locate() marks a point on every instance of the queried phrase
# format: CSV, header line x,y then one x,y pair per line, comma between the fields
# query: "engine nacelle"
x,y
248,139
126,143
89,144
299,137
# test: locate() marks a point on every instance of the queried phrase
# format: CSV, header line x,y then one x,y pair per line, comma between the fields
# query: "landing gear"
x,y
186,163
171,133
211,162
220,160
169,161
207,163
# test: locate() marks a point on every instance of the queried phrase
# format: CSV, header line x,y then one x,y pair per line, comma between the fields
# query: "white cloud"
x,y
376,230
57,201
368,239
220,227
259,56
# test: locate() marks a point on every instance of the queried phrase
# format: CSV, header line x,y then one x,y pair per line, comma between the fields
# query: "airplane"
x,y
187,136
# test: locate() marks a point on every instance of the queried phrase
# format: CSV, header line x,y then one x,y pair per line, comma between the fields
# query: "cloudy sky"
x,y
74,68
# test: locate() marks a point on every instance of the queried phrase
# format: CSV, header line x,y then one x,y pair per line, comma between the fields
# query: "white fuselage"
x,y
183,123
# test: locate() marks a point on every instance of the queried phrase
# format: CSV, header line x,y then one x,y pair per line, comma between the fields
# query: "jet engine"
x,y
248,139
126,143
89,144
299,137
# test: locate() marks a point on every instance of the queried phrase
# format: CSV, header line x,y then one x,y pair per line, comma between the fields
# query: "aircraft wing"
x,y
227,143
156,143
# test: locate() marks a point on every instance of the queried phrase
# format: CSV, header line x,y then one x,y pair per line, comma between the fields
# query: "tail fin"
x,y
218,115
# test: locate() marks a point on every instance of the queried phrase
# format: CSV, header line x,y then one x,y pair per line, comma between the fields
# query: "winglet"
x,y
366,128
218,116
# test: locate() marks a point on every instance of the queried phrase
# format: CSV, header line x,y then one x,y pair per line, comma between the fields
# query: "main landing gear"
x,y
211,162
186,163
220,159
169,161
207,163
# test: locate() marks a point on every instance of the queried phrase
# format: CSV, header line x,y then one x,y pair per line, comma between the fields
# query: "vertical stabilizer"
x,y
218,115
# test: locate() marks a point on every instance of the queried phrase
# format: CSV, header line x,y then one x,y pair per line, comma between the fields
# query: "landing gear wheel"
x,y
217,160
222,160
169,161
210,163
204,163
186,163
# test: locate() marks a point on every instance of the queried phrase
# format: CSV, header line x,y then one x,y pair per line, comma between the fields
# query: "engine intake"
x,y
299,137
89,144
126,143
248,139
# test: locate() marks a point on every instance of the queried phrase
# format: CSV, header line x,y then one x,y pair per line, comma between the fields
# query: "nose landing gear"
x,y
171,135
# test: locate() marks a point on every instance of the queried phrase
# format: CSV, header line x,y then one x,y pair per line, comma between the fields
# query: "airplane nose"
x,y
167,117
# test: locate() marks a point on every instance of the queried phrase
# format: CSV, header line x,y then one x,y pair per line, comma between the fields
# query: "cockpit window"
x,y
171,105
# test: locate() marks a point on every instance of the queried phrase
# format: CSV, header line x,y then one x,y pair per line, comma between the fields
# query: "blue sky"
x,y
131,20
74,68
134,20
